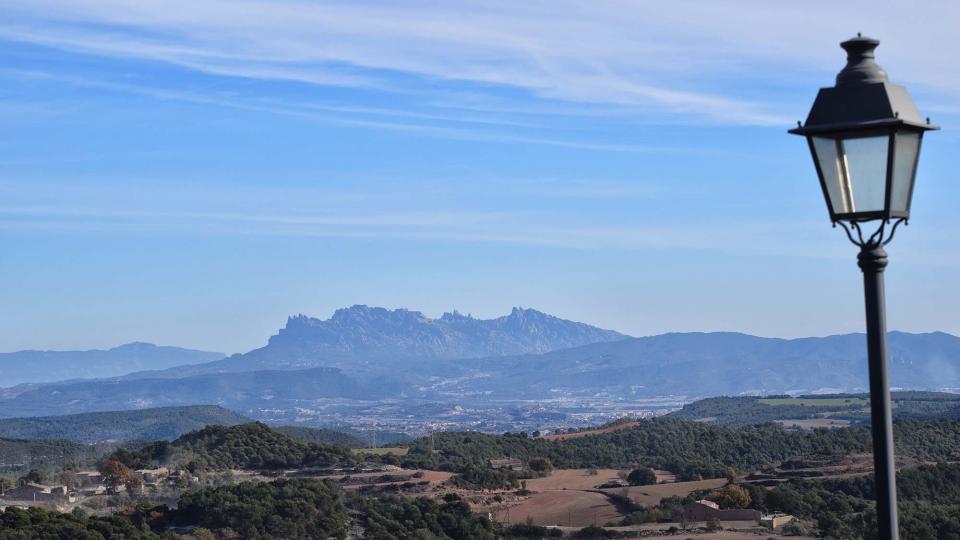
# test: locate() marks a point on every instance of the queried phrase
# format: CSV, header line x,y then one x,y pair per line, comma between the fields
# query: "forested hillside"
x,y
928,501
351,438
304,509
144,424
689,449
321,436
246,446
746,410
17,456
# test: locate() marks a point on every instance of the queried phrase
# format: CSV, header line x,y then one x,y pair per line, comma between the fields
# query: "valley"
x,y
523,426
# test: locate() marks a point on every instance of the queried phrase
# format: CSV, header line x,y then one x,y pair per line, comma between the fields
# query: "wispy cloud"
x,y
681,61
611,53
442,126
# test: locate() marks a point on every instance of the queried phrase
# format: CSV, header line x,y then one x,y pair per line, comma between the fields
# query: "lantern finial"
x,y
861,67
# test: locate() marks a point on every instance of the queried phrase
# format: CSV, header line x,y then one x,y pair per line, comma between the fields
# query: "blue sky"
x,y
190,173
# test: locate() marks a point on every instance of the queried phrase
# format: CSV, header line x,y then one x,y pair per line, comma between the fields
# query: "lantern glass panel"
x,y
866,169
834,177
904,170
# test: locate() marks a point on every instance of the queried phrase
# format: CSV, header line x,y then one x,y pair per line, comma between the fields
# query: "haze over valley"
x,y
373,368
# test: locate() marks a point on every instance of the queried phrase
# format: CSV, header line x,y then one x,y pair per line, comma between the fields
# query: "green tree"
x,y
32,477
732,496
731,474
644,476
116,474
541,465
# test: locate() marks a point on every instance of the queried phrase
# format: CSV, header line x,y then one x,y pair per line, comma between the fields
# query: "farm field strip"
x,y
825,402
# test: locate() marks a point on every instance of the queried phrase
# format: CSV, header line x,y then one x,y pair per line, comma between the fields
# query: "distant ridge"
x,y
47,366
239,391
721,363
163,423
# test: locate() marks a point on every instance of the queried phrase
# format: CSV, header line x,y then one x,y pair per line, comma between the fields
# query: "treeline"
x,y
23,524
351,438
321,436
928,497
388,518
280,509
747,410
246,446
18,456
143,424
290,509
688,449
929,504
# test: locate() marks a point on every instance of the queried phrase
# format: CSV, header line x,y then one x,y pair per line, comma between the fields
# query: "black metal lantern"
x,y
864,134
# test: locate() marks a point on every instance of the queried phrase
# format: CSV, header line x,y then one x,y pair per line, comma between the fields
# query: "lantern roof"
x,y
863,98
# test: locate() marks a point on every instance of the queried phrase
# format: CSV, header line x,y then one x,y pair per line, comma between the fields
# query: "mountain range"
x,y
718,363
364,356
372,337
46,366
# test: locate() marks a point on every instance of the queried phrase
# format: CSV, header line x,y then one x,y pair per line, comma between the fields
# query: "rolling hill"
x,y
245,446
46,366
747,410
18,456
711,364
163,423
236,391
350,438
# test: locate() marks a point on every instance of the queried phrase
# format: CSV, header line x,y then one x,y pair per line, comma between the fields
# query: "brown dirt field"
x,y
573,479
665,476
561,507
734,535
434,477
745,531
579,434
651,495
578,506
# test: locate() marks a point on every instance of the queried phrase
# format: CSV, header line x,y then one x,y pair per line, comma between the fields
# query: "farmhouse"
x,y
704,510
512,464
153,476
40,493
775,521
89,478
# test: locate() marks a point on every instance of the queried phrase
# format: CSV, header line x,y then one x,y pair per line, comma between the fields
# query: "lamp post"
x,y
864,134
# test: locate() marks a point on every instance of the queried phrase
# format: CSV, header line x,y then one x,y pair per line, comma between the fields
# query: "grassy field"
x,y
813,423
825,402
395,450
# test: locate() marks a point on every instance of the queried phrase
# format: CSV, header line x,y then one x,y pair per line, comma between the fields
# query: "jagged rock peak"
x,y
362,331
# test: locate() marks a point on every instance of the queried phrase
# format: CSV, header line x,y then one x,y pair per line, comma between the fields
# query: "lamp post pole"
x,y
873,261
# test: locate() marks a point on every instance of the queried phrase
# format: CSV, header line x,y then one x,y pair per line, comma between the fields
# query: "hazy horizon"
x,y
280,325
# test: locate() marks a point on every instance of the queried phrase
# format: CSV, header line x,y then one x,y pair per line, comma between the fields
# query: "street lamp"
x,y
864,135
